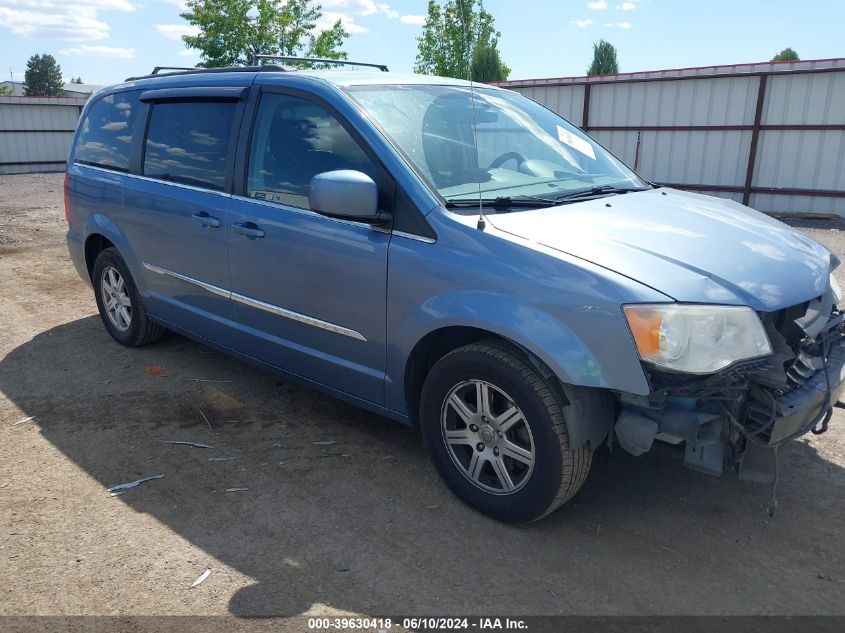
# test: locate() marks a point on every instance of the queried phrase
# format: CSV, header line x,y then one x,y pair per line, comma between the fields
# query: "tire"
x,y
128,323
539,485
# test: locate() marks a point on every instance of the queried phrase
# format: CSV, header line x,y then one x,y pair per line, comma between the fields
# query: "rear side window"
x,y
294,140
188,142
106,133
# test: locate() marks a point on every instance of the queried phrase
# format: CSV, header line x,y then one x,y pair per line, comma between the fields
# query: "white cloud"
x,y
75,21
176,31
391,13
627,6
329,18
619,25
413,19
188,52
598,5
359,7
108,51
582,23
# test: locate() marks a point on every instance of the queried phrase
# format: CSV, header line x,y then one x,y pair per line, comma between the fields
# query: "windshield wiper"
x,y
502,202
597,191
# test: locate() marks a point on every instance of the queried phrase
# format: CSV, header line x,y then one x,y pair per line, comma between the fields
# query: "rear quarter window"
x,y
105,135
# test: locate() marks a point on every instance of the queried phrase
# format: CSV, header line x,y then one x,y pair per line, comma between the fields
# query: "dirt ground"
x,y
361,526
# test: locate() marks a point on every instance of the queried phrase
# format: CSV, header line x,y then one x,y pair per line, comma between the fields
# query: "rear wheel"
x,y
119,302
497,435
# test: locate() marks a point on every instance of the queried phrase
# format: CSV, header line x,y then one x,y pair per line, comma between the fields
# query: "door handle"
x,y
247,229
206,220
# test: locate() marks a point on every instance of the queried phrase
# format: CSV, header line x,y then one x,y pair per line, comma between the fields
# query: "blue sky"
x,y
105,41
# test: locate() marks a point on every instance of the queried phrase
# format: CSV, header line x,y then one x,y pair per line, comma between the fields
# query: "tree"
x,y
605,61
76,80
786,55
231,32
43,77
5,91
487,65
457,35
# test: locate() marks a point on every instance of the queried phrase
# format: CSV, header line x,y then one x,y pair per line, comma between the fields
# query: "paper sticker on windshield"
x,y
575,142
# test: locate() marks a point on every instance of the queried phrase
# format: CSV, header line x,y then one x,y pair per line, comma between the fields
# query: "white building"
x,y
71,90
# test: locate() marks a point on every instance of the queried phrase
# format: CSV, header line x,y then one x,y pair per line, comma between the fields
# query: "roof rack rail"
x,y
158,69
314,60
180,70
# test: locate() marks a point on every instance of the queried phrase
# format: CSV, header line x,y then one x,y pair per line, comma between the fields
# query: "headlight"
x,y
837,290
697,339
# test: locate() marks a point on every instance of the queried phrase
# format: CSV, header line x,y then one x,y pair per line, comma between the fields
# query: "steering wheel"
x,y
519,158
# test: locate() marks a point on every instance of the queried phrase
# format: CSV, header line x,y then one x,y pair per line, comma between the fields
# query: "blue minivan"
x,y
456,257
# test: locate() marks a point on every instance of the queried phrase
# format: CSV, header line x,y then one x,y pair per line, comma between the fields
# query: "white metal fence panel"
x,y
568,102
35,132
678,103
771,135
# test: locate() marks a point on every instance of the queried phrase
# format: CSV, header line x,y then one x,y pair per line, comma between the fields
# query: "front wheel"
x,y
497,435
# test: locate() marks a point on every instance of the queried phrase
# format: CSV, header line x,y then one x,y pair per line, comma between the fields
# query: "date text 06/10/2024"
x,y
415,624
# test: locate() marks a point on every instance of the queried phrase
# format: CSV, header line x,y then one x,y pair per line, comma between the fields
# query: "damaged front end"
x,y
736,418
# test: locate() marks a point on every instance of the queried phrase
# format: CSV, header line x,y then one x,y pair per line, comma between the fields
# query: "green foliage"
x,y
231,32
5,91
76,80
43,77
487,65
786,55
455,36
605,61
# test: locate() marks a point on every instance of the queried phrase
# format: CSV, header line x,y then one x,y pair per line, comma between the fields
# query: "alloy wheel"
x,y
116,301
487,437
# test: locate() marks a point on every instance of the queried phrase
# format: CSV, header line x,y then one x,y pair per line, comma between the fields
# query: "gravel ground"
x,y
362,526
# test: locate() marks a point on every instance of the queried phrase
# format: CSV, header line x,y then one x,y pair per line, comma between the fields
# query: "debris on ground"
x,y
284,461
330,455
194,444
237,489
220,459
115,490
324,443
201,578
341,567
32,417
205,418
154,370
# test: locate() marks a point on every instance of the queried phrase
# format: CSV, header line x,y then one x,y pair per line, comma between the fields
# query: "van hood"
x,y
691,247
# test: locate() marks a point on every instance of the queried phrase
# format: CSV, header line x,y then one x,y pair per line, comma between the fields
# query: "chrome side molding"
x,y
261,305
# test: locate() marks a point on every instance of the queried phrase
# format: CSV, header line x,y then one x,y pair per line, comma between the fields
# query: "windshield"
x,y
520,150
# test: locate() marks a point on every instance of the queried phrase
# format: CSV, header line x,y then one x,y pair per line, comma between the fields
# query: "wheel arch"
x,y
590,409
101,232
95,244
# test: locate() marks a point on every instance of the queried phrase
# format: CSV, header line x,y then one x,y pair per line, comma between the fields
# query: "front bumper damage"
x,y
737,419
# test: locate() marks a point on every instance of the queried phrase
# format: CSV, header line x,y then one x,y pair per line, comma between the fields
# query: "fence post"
x,y
755,137
585,113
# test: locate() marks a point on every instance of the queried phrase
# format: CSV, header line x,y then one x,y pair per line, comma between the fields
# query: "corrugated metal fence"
x,y
770,135
35,132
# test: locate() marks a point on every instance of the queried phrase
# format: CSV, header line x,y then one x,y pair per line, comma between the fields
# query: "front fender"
x,y
568,355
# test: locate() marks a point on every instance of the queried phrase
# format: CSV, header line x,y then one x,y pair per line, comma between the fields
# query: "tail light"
x,y
67,208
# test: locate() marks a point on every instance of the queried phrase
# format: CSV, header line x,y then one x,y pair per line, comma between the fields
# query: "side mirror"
x,y
345,194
